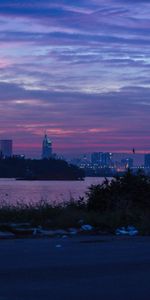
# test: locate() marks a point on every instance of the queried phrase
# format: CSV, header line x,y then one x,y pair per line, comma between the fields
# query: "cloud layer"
x,y
77,69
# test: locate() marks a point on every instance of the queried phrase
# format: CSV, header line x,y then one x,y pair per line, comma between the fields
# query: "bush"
x,y
128,193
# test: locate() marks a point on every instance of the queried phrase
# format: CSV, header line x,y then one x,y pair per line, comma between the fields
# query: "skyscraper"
x,y
147,160
96,158
106,161
6,148
102,159
46,147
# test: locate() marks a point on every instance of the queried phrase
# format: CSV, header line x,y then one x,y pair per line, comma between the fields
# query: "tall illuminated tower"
x,y
46,147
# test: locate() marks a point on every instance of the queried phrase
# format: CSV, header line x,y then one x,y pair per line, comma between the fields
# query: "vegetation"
x,y
107,206
129,193
41,214
44,169
122,201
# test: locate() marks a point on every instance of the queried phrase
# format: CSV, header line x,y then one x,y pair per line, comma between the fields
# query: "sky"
x,y
78,70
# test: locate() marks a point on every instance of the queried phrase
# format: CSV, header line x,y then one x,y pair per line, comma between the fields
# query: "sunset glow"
x,y
78,70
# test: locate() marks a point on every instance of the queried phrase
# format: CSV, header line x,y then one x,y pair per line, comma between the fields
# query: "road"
x,y
75,268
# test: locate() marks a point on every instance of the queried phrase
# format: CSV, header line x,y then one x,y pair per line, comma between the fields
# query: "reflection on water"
x,y
12,191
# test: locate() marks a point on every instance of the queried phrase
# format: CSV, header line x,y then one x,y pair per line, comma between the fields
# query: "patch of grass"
x,y
43,214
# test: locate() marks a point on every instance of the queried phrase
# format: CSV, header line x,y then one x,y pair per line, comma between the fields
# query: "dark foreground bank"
x,y
75,268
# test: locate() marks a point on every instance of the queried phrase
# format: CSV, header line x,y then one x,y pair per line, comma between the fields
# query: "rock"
x,y
36,231
60,232
6,235
56,232
47,233
64,236
23,231
20,225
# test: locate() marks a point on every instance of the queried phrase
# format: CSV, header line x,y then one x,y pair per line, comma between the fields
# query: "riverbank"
x,y
45,220
122,202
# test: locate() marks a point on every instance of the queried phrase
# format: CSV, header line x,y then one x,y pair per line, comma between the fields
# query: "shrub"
x,y
130,192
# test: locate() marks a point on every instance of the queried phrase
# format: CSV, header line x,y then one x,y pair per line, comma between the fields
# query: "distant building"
x,y
127,163
147,160
5,148
96,158
19,156
106,161
46,147
102,159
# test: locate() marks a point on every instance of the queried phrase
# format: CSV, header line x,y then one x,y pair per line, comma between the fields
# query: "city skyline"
x,y
78,70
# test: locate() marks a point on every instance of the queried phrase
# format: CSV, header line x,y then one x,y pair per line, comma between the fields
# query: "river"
x,y
14,191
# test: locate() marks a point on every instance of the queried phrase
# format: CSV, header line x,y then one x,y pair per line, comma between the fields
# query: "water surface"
x,y
13,191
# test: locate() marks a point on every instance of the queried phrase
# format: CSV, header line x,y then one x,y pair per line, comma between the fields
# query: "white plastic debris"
x,y
58,246
47,233
129,230
87,227
121,231
132,230
73,231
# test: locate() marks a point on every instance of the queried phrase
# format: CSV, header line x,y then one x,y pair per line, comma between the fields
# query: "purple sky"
x,y
79,70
